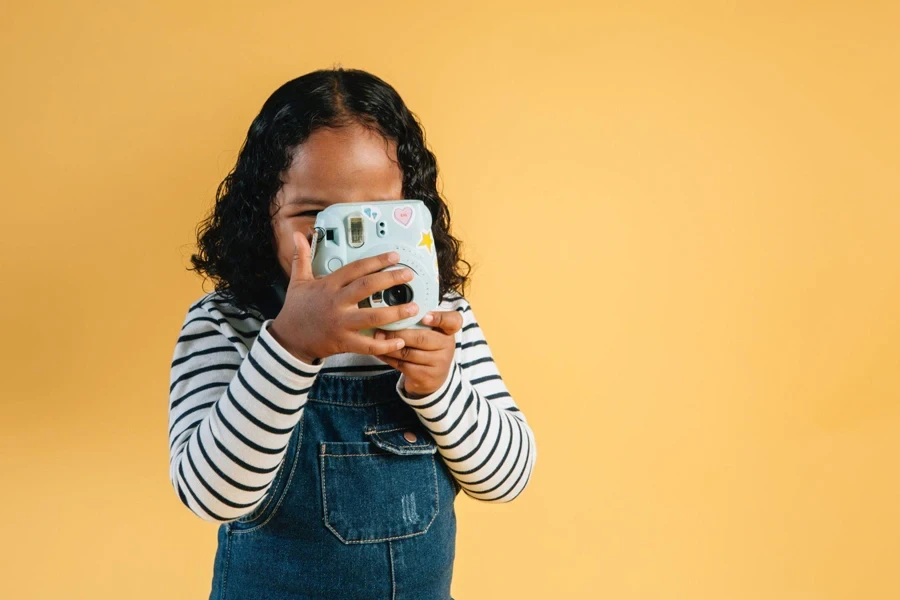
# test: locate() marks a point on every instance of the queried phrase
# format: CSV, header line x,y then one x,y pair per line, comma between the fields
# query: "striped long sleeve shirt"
x,y
235,396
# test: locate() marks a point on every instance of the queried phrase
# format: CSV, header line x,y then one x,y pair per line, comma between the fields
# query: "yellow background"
x,y
684,220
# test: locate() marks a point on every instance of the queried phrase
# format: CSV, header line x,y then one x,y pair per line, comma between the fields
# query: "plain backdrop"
x,y
683,218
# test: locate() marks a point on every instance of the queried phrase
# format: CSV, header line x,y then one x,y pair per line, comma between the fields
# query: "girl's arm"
x,y
231,414
480,432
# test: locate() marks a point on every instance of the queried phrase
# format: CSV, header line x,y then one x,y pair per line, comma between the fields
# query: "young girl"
x,y
332,460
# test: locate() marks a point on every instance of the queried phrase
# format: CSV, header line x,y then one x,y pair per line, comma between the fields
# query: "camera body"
x,y
349,231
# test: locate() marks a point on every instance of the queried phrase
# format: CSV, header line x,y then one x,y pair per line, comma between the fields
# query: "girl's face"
x,y
349,164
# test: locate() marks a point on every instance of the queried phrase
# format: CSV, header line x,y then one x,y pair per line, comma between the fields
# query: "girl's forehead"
x,y
347,148
336,164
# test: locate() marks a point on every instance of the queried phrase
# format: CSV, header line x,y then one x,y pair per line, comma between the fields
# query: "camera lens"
x,y
399,294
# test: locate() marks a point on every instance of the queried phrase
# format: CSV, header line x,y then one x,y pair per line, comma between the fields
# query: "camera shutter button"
x,y
334,264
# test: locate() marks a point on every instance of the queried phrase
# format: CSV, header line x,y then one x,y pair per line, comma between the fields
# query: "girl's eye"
x,y
309,213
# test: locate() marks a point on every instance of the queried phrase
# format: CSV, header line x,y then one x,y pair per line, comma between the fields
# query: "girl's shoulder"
x,y
219,306
453,300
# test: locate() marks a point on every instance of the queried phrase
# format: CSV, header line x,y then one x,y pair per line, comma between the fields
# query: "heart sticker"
x,y
372,213
403,215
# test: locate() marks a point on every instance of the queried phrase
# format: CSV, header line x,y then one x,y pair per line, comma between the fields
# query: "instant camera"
x,y
349,231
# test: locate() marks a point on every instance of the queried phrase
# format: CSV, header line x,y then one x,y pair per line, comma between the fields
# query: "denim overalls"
x,y
361,507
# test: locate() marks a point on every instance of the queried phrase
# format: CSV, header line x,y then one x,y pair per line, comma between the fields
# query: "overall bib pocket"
x,y
379,490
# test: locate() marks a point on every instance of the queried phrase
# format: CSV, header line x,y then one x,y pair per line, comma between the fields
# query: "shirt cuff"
x,y
277,359
431,398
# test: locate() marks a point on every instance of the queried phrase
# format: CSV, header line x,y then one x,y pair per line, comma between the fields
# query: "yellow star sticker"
x,y
426,240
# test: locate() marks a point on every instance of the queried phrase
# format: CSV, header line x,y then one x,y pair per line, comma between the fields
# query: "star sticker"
x,y
426,240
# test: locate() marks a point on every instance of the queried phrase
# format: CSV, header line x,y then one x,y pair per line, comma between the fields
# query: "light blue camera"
x,y
349,231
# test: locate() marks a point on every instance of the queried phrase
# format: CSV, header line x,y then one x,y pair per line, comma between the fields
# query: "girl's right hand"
x,y
321,317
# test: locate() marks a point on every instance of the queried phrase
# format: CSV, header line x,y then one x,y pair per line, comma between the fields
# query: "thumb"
x,y
301,264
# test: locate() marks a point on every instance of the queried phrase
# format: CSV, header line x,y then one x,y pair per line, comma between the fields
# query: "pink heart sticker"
x,y
403,215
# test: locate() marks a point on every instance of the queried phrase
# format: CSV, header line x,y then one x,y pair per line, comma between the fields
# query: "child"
x,y
332,460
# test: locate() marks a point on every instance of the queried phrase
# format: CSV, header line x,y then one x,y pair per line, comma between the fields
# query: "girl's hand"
x,y
428,355
321,316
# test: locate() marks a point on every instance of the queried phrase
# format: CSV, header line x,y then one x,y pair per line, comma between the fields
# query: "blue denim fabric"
x,y
356,510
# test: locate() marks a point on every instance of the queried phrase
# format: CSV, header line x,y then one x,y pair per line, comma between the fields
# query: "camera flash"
x,y
356,233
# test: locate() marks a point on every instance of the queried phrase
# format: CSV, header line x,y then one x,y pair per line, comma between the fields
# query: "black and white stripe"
x,y
231,411
235,396
482,435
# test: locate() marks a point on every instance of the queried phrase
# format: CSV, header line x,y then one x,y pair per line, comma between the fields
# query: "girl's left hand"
x,y
427,355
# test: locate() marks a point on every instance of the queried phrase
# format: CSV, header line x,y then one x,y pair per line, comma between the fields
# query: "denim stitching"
x,y
395,537
407,449
287,486
387,376
222,588
371,431
349,403
437,492
362,454
393,583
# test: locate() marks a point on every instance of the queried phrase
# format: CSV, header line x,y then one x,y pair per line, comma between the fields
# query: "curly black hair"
x,y
236,241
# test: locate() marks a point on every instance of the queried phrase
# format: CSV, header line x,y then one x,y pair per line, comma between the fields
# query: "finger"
x,y
301,264
370,283
357,268
423,339
448,321
393,362
414,356
362,344
371,318
410,369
